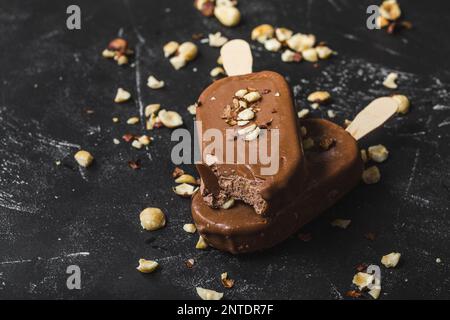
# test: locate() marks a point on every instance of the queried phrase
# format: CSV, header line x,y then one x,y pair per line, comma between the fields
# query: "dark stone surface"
x,y
50,215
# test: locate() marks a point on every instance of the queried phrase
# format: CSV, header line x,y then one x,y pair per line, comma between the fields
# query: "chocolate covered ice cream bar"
x,y
255,116
333,168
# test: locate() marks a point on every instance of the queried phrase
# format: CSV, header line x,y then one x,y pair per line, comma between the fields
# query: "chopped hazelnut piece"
x,y
227,282
303,113
145,140
227,15
262,33
154,83
272,45
389,82
122,96
378,153
217,40
319,96
216,71
390,10
371,175
403,103
147,266
391,260
252,96
362,280
364,155
192,109
331,114
122,59
290,56
136,144
283,34
381,22
228,204
341,223
252,135
242,123
177,62
323,52
201,243
133,120
186,178
170,119
189,227
184,190
170,48
241,93
189,263
108,54
177,172
115,119
206,294
152,219
188,51
246,114
152,108
84,158
310,55
300,42
116,141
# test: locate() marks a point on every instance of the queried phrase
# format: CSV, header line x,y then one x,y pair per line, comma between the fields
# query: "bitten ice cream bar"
x,y
277,185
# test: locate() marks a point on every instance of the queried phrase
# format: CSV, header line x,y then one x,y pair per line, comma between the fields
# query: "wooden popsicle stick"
x,y
237,57
372,116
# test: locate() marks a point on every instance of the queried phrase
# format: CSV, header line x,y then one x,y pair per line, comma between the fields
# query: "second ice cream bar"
x,y
255,117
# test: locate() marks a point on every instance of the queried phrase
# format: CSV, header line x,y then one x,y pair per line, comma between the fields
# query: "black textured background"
x,y
54,216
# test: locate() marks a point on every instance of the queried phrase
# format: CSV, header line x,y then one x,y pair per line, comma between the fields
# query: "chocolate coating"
x,y
245,181
330,175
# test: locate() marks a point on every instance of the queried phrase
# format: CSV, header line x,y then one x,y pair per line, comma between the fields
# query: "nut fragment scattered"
x,y
217,40
319,96
152,108
189,227
300,42
371,175
177,62
133,120
154,83
241,93
136,144
323,52
192,109
184,190
303,113
262,33
391,260
378,153
207,294
215,72
341,223
170,48
147,266
84,158
170,119
122,96
310,55
144,140
188,51
253,134
364,156
201,243
229,16
403,103
272,45
152,219
283,34
186,178
389,81
390,10
290,56
227,282
246,114
189,263
362,280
